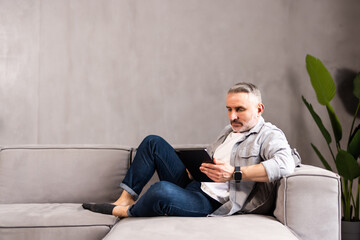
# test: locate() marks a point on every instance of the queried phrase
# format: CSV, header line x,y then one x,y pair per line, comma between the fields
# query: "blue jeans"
x,y
175,194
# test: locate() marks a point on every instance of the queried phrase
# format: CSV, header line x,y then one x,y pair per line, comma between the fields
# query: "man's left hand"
x,y
219,171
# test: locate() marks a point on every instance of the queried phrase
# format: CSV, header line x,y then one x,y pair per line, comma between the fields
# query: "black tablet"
x,y
192,159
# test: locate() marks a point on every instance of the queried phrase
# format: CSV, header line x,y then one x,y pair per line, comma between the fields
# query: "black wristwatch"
x,y
237,174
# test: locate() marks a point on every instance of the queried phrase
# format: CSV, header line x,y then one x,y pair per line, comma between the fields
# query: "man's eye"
x,y
240,109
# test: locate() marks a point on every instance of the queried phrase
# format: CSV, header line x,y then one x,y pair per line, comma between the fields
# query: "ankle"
x,y
120,211
125,199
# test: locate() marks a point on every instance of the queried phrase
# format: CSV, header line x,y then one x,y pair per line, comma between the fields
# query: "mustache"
x,y
236,121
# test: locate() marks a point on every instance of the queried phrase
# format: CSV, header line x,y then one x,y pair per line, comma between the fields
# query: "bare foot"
x,y
120,211
125,199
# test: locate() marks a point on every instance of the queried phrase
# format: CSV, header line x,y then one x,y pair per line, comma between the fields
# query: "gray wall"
x,y
114,71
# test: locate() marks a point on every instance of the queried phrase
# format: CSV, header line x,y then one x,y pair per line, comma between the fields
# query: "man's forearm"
x,y
222,172
256,173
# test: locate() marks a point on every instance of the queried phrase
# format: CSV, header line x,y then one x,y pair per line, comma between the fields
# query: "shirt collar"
x,y
258,126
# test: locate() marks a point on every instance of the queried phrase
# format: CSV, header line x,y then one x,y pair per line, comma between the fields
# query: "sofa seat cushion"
x,y
232,227
52,221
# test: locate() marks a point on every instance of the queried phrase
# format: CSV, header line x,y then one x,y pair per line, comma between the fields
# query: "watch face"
x,y
237,176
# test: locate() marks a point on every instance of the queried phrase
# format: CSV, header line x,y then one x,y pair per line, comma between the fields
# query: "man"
x,y
249,156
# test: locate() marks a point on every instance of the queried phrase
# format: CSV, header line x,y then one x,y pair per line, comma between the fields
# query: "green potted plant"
x,y
345,157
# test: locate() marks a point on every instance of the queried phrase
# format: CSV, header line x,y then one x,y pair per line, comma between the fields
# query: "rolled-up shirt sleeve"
x,y
276,153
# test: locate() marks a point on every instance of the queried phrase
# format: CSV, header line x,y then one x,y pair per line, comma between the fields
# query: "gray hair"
x,y
244,87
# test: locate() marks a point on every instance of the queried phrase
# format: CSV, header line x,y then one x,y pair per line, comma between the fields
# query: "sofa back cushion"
x,y
66,174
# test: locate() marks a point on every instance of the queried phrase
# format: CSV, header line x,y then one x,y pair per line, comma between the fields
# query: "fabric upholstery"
x,y
309,203
58,233
250,226
42,188
66,174
52,221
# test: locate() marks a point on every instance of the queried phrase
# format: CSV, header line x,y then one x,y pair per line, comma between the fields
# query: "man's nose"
x,y
233,116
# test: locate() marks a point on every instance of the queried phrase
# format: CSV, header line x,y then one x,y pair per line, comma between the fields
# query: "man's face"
x,y
244,110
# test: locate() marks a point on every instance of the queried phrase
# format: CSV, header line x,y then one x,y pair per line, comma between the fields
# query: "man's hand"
x,y
218,172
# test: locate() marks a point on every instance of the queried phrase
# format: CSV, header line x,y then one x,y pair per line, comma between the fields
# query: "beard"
x,y
236,128
244,126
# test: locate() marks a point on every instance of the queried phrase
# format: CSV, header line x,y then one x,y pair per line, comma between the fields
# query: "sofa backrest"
x,y
67,174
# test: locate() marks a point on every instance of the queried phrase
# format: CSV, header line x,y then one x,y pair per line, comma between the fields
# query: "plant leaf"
x,y
321,80
357,86
354,145
346,165
318,121
322,159
335,123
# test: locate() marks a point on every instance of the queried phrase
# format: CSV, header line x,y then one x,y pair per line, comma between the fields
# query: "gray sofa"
x,y
42,188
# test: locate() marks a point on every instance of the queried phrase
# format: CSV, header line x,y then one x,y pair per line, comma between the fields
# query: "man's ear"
x,y
260,109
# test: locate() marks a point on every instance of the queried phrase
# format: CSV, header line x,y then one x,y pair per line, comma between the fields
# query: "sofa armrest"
x,y
309,203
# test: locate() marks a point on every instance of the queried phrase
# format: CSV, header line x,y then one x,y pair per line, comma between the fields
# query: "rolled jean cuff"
x,y
129,190
128,211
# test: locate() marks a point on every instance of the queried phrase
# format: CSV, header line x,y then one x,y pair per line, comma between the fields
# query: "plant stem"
x,y
350,192
356,205
346,202
350,197
332,154
345,209
353,122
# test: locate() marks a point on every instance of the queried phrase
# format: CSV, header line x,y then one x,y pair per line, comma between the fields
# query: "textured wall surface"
x,y
114,71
